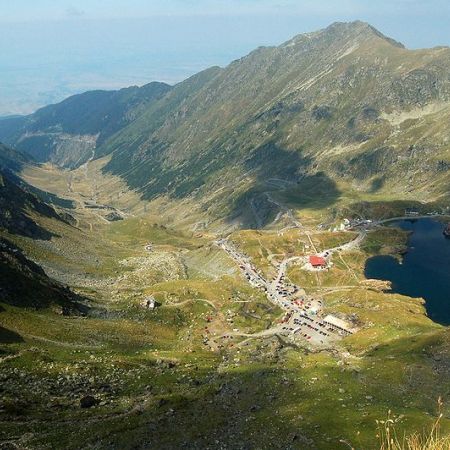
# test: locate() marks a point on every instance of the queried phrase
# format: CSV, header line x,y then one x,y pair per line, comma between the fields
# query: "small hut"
x,y
318,261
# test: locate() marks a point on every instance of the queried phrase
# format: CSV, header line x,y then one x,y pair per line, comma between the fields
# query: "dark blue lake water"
x,y
425,269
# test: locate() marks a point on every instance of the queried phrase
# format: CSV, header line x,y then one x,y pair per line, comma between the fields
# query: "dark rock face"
x,y
322,112
25,284
162,402
11,159
88,401
113,217
8,336
16,202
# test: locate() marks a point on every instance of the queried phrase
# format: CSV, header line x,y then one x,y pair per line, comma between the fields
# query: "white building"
x,y
340,324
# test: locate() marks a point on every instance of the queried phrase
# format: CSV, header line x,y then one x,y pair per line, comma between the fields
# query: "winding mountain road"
x,y
289,297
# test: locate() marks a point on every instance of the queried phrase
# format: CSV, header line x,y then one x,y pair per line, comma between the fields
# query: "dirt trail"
x,y
262,334
191,300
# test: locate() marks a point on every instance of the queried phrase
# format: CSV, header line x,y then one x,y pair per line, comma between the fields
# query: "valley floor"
x,y
217,364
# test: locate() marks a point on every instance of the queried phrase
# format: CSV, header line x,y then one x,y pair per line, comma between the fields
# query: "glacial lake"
x,y
424,270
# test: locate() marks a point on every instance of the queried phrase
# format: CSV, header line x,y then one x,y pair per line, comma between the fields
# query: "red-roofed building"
x,y
317,261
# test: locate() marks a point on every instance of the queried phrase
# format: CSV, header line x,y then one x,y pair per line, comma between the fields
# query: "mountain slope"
x,y
12,159
67,133
330,102
20,203
217,362
25,284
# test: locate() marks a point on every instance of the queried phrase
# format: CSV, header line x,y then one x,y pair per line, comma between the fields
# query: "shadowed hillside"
x,y
68,132
25,284
346,100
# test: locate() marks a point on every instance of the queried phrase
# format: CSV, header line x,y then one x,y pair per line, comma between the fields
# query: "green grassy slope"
x,y
345,101
177,368
154,371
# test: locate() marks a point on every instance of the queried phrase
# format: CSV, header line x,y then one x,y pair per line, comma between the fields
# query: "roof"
x,y
337,322
317,261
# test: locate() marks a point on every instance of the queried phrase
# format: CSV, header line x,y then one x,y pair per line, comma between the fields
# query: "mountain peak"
x,y
355,30
359,26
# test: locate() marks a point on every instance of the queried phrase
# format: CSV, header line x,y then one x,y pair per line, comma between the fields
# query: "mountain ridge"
x,y
352,29
68,132
329,91
321,103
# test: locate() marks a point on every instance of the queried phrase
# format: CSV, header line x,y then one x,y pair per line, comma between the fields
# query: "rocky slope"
x,y
345,108
342,104
19,207
68,132
12,159
25,284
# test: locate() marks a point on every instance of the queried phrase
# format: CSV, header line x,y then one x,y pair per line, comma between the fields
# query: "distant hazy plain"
x,y
44,62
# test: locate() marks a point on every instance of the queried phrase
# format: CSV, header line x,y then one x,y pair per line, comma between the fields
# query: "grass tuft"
x,y
428,440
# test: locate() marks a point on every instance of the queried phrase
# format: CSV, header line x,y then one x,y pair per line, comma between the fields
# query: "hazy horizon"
x,y
50,52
